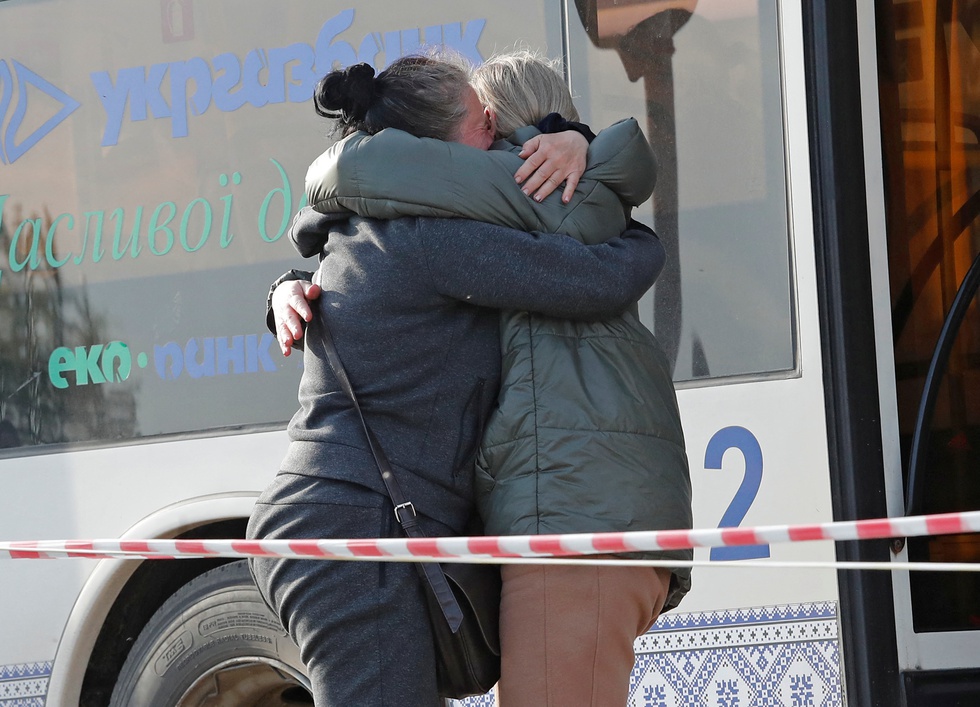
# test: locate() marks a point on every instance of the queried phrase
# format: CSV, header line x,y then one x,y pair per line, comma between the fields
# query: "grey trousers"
x,y
362,627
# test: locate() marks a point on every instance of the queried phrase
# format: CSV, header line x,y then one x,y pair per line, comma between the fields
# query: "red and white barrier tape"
x,y
496,549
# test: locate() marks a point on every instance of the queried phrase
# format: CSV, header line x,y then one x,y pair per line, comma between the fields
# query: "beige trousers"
x,y
567,632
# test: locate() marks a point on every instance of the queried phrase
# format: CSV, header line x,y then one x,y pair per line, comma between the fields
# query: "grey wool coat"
x,y
413,307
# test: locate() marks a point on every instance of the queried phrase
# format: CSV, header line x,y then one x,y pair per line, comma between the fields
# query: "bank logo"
x,y
13,144
177,90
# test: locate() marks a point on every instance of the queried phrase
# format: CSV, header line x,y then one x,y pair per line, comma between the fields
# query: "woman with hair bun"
x,y
413,306
586,435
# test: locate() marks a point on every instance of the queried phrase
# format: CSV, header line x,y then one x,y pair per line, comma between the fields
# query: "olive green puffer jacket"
x,y
587,436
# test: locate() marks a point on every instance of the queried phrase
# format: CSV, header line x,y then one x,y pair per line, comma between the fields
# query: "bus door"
x,y
928,77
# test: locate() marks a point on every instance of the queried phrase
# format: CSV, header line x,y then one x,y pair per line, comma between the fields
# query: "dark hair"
x,y
421,95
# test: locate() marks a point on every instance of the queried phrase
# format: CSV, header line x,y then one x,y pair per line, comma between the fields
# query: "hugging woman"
x,y
413,304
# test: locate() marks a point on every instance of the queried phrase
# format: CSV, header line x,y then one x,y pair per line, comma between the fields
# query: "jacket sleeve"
x,y
621,158
394,174
491,266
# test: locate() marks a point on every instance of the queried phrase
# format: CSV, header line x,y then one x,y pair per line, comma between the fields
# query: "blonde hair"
x,y
522,87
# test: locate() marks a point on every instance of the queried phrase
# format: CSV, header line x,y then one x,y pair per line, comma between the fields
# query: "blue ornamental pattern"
x,y
24,685
487,700
782,656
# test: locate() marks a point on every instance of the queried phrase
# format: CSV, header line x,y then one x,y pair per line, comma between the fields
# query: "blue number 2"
x,y
744,441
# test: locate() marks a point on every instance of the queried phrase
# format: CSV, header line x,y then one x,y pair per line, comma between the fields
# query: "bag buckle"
x,y
407,505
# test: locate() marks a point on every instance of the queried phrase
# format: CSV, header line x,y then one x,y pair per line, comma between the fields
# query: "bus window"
x,y
146,184
704,80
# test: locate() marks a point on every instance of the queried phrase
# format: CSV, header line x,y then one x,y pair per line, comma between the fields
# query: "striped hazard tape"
x,y
500,548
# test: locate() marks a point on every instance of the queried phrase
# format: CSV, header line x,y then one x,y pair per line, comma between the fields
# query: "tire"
x,y
213,643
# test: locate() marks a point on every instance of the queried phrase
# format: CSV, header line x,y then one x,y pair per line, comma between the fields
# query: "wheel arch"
x,y
110,587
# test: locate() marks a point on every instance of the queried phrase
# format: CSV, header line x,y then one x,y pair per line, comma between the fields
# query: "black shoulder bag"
x,y
464,599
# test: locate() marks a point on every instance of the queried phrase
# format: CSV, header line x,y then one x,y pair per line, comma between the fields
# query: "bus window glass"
x,y
146,183
704,80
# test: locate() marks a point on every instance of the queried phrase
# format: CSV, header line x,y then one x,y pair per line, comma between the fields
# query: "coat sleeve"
x,y
309,230
491,266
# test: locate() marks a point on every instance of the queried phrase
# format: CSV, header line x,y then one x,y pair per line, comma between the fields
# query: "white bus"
x,y
817,164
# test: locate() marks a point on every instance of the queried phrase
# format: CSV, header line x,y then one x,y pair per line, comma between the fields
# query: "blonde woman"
x,y
585,436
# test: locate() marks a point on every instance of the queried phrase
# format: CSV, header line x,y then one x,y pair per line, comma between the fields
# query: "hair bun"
x,y
350,91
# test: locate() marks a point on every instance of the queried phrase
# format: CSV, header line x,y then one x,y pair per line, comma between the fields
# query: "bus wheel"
x,y
214,642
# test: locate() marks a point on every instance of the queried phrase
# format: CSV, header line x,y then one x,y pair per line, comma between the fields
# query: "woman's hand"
x,y
291,309
551,159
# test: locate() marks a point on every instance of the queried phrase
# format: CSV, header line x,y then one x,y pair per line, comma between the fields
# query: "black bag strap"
x,y
404,510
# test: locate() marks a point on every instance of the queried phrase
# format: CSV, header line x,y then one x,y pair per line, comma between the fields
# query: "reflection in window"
x,y
37,313
137,357
704,77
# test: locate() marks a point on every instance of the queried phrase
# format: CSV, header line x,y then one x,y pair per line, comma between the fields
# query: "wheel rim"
x,y
261,682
